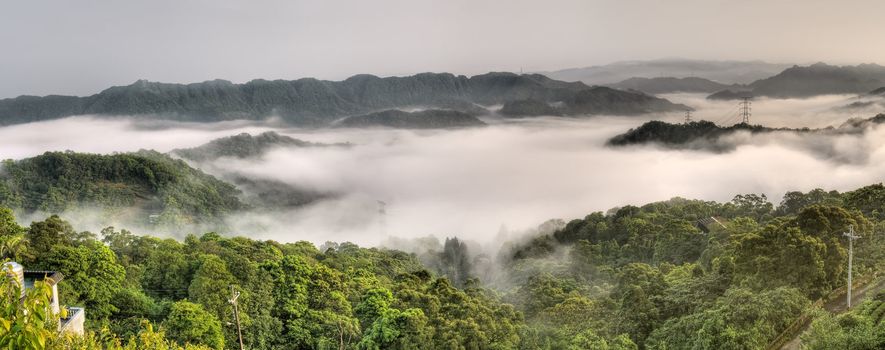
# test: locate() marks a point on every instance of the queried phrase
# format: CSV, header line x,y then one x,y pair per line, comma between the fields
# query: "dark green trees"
x,y
678,274
149,182
190,323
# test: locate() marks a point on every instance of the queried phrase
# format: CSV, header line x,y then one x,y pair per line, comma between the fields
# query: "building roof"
x,y
51,277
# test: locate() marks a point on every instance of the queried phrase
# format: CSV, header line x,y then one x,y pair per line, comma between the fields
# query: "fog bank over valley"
x,y
469,182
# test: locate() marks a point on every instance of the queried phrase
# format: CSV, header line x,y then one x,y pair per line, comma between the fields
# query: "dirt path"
x,y
839,305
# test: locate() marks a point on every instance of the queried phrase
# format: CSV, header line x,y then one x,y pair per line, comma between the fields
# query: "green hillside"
x,y
142,187
678,274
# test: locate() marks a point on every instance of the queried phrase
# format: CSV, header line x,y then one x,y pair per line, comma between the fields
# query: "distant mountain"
x,y
877,92
859,106
243,146
257,192
273,194
597,100
143,187
426,119
873,100
705,135
304,102
729,94
725,72
528,108
604,100
665,85
820,79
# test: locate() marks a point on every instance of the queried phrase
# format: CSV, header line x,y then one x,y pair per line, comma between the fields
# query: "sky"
x,y
82,47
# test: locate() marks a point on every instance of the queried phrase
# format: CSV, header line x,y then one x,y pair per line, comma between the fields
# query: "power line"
x,y
729,115
745,110
687,117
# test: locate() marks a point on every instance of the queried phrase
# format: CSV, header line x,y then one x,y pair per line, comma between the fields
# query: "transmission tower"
x,y
745,110
851,237
687,117
382,217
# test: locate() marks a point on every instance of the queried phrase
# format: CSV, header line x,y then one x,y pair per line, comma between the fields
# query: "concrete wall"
x,y
75,322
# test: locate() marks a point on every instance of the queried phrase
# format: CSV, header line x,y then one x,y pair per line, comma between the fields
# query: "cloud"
x,y
518,173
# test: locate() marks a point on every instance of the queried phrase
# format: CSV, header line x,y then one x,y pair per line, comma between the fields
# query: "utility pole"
x,y
745,110
233,301
687,117
851,237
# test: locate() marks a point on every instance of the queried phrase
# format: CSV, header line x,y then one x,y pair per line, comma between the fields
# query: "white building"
x,y
75,316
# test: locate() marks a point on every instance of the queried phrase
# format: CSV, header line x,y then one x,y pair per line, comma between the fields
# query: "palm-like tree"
x,y
12,245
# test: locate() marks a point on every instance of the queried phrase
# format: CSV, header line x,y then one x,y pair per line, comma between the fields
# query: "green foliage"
x,y
794,201
13,242
25,322
659,276
190,323
242,146
92,275
146,181
696,134
454,261
395,329
868,199
144,337
741,319
209,285
858,329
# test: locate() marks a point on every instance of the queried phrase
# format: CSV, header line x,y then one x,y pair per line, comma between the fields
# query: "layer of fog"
x,y
471,182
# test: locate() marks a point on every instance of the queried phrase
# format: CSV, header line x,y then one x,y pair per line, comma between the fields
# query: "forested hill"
x,y
244,146
705,135
690,274
257,192
318,102
694,135
141,187
678,274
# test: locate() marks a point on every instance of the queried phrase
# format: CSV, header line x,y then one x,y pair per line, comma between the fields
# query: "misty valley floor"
x,y
471,182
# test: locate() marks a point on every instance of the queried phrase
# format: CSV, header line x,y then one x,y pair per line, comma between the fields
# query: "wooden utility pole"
x,y
233,301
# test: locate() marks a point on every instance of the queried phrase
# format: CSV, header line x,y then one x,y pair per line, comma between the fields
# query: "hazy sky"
x,y
81,47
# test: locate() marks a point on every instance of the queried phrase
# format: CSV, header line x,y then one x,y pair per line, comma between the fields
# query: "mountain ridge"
x,y
313,102
816,79
663,85
726,72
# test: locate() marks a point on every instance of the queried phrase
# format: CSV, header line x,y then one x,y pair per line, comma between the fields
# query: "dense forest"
x,y
152,190
143,187
705,135
243,146
678,274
